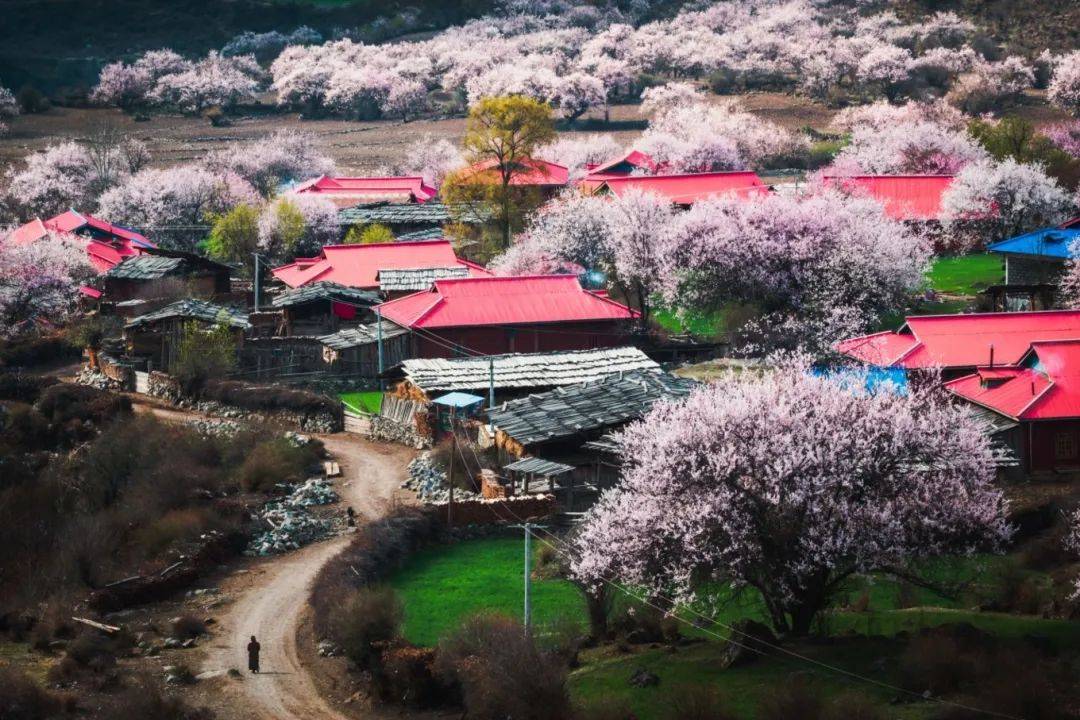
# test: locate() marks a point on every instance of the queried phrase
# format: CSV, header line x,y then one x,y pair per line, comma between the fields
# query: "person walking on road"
x,y
253,654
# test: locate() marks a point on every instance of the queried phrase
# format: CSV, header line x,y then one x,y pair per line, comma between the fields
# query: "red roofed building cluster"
x,y
106,244
905,197
495,315
687,189
1041,394
347,192
358,266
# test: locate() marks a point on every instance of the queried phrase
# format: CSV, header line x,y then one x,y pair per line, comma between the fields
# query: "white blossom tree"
x,y
1064,88
790,483
9,108
54,180
430,157
39,281
281,156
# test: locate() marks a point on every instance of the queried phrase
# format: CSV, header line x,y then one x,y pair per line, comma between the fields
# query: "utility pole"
x,y
450,473
378,335
256,281
528,527
491,382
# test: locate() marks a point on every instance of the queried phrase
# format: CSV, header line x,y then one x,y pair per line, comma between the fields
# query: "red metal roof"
x,y
106,245
626,164
688,189
532,299
358,265
905,197
533,172
1046,386
962,341
349,191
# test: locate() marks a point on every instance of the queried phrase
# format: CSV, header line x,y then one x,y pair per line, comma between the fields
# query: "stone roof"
x,y
361,335
575,409
525,370
145,267
432,233
429,213
193,309
325,290
416,279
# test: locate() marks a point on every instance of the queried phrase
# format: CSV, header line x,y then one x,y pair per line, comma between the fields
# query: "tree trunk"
x,y
598,604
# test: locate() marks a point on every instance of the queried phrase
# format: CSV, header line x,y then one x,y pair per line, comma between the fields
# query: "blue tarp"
x,y
458,400
872,380
1052,242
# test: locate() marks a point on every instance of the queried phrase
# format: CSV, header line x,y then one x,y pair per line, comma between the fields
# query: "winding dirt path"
x,y
272,606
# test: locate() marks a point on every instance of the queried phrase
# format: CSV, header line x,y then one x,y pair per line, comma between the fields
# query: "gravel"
x,y
290,524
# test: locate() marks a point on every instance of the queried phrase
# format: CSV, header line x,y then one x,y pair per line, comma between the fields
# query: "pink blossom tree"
x,y
404,98
818,268
173,205
788,484
293,225
578,152
214,80
996,200
281,156
55,179
430,157
1064,88
39,281
1069,285
1065,136
922,147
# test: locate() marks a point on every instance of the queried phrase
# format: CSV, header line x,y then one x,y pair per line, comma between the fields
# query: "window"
x,y
1064,446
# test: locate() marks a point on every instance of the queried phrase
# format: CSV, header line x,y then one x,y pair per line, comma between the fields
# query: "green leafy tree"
x,y
235,235
369,234
1018,139
501,135
203,354
282,228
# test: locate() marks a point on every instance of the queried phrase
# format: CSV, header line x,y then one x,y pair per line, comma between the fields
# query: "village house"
x,y
358,266
1034,263
156,272
409,221
495,315
106,244
959,344
1039,396
685,190
322,307
346,192
908,198
155,337
516,374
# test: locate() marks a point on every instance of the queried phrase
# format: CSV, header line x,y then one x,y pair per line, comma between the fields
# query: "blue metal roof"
x,y
458,399
1051,242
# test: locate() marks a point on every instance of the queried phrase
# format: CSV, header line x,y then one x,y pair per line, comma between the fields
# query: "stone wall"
x,y
164,386
504,511
1021,270
121,373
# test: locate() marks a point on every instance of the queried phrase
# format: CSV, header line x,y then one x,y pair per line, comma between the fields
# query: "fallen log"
x,y
96,625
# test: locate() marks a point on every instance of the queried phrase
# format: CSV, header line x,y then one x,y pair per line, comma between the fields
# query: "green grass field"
x,y
442,585
966,275
365,402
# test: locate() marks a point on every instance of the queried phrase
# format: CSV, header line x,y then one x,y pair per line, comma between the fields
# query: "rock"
x,y
172,643
189,643
428,481
327,648
643,678
748,640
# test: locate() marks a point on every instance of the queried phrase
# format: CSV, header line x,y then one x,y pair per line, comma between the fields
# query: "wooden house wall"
x,y
524,339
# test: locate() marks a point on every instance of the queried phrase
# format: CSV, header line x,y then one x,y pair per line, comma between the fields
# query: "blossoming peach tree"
x,y
790,483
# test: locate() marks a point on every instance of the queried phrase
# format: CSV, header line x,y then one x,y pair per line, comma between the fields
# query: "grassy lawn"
x,y
365,402
966,275
700,324
442,585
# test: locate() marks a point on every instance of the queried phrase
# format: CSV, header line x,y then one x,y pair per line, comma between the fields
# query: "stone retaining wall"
x,y
503,511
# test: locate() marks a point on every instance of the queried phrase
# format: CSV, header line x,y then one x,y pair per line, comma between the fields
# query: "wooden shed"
x,y
156,336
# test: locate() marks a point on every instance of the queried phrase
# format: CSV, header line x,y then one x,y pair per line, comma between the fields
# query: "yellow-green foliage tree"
x,y
369,234
283,227
203,354
501,134
235,235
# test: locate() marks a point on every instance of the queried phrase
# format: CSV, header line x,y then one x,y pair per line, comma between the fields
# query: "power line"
x,y
565,553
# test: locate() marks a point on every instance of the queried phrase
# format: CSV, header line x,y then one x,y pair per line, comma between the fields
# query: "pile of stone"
x,y
290,525
385,429
428,480
216,428
95,378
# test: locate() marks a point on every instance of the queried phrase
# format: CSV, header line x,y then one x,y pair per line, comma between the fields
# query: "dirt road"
x,y
271,608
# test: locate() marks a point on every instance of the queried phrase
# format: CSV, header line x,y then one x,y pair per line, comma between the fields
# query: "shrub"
x,y
187,627
24,699
174,527
366,623
63,402
564,639
934,663
27,352
273,462
795,698
92,650
501,673
203,355
144,699
699,703
268,398
408,677
23,388
31,100
369,234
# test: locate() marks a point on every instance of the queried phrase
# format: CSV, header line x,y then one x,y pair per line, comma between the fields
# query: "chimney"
x,y
1032,387
991,354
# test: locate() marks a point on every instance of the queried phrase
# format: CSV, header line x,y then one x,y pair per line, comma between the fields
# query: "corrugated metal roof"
x,y
476,301
905,197
525,370
360,187
145,267
1052,242
361,335
415,279
958,341
358,266
688,189
571,410
538,466
195,310
324,291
